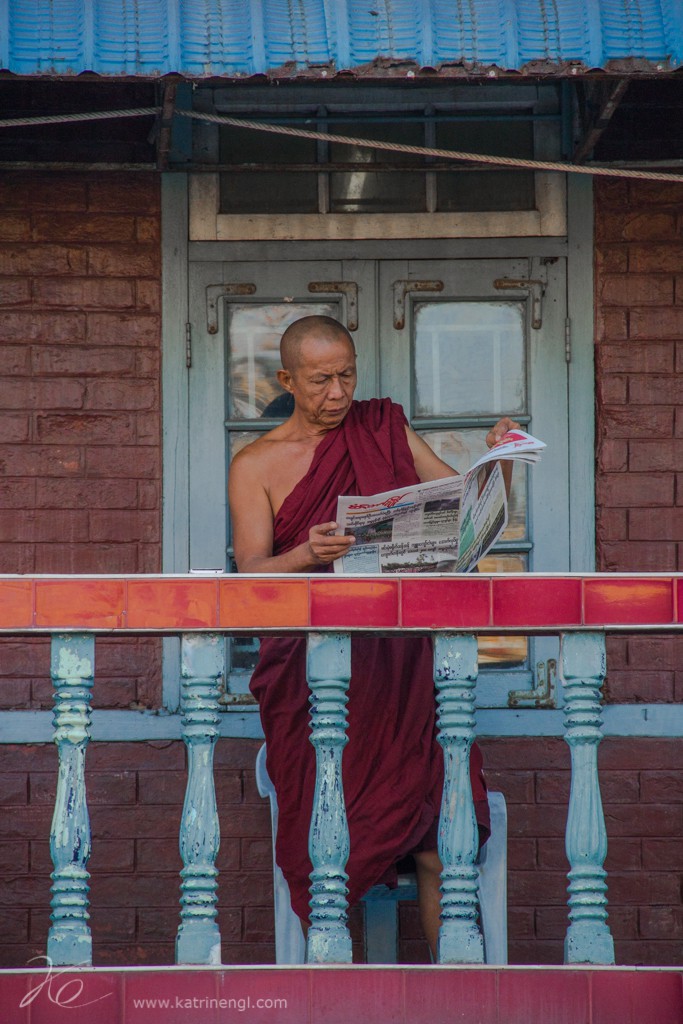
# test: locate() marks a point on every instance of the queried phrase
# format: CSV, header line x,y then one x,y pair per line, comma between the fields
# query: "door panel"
x,y
457,342
467,349
233,393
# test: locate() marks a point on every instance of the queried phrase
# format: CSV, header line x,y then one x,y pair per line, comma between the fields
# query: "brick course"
x,y
80,398
639,385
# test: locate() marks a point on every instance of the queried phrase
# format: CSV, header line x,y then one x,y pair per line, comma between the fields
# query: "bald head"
x,y
324,329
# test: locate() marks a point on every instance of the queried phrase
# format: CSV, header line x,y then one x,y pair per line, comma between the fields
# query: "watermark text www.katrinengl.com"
x,y
243,1003
66,987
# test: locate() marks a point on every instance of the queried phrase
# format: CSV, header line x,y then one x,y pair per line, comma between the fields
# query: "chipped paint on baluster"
x,y
328,672
72,670
202,664
588,938
455,676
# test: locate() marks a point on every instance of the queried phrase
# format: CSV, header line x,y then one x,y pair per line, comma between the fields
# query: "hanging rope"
x,y
444,154
391,147
93,115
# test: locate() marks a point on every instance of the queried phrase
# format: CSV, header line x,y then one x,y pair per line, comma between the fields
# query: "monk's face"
x,y
323,380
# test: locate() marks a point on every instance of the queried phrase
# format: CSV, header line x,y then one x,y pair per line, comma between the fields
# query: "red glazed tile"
x,y
347,603
436,995
16,603
543,995
637,997
171,997
679,601
370,996
15,989
263,603
76,996
172,604
265,996
93,604
439,604
628,601
536,601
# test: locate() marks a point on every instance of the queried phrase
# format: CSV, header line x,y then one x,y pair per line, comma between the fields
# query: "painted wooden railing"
x,y
581,609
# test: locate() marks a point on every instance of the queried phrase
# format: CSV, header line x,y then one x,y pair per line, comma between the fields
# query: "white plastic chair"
x,y
381,902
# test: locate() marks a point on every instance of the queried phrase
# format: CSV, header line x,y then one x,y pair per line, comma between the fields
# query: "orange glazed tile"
x,y
16,604
93,604
536,601
628,601
345,603
443,604
263,604
172,604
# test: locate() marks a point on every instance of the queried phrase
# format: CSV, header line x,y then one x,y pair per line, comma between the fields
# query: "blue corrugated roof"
x,y
204,38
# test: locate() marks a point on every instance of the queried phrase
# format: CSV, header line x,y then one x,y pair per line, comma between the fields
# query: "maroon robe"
x,y
392,765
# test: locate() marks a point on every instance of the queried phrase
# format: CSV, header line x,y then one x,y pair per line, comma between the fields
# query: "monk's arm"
x,y
252,529
430,467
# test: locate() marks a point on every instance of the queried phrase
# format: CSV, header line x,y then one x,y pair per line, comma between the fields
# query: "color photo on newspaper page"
x,y
442,526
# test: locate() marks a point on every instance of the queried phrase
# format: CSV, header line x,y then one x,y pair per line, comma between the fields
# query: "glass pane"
x,y
460,448
469,359
254,333
486,190
503,651
266,191
379,192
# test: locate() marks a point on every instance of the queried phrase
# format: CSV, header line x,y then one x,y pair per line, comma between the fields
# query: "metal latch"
x,y
543,694
535,288
401,289
215,292
347,288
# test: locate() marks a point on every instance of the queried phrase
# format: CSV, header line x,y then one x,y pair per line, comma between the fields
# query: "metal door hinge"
x,y
188,345
346,288
401,289
543,694
568,340
535,288
215,292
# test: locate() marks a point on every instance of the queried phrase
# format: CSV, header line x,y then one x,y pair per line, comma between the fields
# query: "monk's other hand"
x,y
325,545
502,426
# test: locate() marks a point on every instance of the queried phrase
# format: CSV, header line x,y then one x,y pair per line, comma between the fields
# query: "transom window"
x,y
327,188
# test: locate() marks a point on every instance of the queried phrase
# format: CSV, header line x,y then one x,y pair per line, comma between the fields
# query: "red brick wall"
x,y
80,428
639,412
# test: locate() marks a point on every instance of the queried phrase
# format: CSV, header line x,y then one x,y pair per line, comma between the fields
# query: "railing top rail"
x,y
252,604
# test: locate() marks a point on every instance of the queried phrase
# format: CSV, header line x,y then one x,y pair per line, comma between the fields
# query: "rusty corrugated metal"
x,y
319,38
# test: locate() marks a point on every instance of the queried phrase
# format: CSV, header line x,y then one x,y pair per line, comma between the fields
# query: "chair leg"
x,y
381,931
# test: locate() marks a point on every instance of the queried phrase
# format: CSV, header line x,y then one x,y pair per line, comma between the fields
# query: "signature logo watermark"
x,y
63,993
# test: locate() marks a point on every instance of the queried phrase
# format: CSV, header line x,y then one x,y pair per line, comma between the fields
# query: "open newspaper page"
x,y
484,514
441,526
410,529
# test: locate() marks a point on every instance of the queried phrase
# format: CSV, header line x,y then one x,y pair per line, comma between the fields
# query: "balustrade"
x,y
586,607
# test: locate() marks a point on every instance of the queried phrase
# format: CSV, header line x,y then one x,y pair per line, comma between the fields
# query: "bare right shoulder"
x,y
256,457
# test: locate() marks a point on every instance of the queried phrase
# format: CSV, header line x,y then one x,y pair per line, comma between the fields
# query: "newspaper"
x,y
442,526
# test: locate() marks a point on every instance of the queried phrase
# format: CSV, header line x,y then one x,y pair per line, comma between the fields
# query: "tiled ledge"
x,y
530,603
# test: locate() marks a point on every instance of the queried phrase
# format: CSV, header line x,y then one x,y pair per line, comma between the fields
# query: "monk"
x,y
283,493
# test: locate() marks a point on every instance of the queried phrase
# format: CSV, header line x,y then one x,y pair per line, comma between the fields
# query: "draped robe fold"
x,y
392,765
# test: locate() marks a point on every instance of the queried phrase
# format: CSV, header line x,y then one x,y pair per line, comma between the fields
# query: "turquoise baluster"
x,y
455,675
72,668
202,664
328,673
588,938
